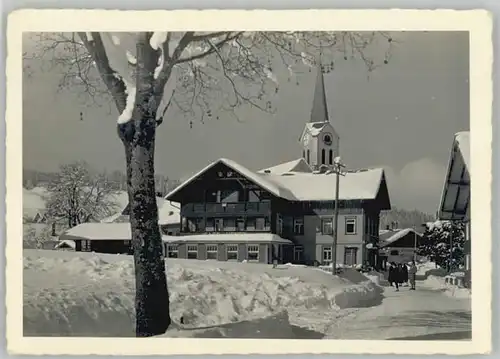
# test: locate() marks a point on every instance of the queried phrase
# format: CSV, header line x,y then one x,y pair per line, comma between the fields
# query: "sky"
x,y
401,117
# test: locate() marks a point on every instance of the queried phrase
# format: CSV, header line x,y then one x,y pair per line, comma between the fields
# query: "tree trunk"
x,y
138,136
152,299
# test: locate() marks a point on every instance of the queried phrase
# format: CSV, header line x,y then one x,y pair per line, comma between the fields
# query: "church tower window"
x,y
308,157
304,154
323,160
330,159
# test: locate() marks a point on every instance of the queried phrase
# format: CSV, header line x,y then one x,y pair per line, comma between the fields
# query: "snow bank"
x,y
439,283
79,294
426,269
328,268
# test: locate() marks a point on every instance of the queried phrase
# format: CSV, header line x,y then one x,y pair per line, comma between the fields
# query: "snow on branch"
x,y
214,73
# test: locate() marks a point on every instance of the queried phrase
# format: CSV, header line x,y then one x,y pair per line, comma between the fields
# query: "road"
x,y
407,314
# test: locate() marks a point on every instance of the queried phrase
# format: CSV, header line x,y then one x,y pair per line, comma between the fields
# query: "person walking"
x,y
393,276
404,269
400,274
274,257
412,272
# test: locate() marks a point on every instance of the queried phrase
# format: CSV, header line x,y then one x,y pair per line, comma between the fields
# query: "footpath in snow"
x,y
87,294
434,310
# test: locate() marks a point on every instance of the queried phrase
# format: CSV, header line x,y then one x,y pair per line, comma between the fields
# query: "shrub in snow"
x,y
443,243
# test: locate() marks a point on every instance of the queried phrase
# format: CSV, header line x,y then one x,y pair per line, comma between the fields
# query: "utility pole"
x,y
338,165
415,247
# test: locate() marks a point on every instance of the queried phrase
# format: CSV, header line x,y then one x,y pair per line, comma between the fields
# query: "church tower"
x,y
320,141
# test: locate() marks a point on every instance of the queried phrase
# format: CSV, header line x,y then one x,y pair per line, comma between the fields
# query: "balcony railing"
x,y
232,208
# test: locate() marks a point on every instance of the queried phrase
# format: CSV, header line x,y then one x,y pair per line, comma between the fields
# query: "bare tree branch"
x,y
218,72
113,82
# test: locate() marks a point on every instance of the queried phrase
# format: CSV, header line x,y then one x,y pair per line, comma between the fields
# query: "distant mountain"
x,y
402,218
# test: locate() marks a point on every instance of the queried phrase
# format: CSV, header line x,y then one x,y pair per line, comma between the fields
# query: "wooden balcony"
x,y
226,209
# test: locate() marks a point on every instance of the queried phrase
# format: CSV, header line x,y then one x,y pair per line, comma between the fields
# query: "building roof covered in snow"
x,y
391,238
228,238
98,231
366,184
68,243
456,190
298,165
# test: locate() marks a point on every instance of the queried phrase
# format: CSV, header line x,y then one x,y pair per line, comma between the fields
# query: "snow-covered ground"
x,y
405,314
68,293
87,294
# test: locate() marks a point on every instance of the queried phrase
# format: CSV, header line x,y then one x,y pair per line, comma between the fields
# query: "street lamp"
x,y
338,169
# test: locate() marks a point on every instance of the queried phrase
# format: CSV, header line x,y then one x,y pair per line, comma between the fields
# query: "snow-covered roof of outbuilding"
x,y
98,231
392,236
65,244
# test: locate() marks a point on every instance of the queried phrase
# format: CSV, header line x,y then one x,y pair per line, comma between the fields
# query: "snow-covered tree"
x,y
205,75
34,237
443,243
77,195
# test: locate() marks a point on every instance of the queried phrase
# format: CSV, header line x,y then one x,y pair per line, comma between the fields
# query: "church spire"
x,y
319,110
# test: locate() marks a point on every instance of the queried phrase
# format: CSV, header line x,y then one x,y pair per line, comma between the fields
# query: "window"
x,y
251,224
308,157
212,251
280,225
327,254
267,224
298,225
86,247
191,225
172,251
232,252
210,227
297,253
350,256
200,225
219,224
350,226
327,226
254,195
192,251
323,159
304,154
229,225
240,225
253,252
228,196
260,223
330,157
